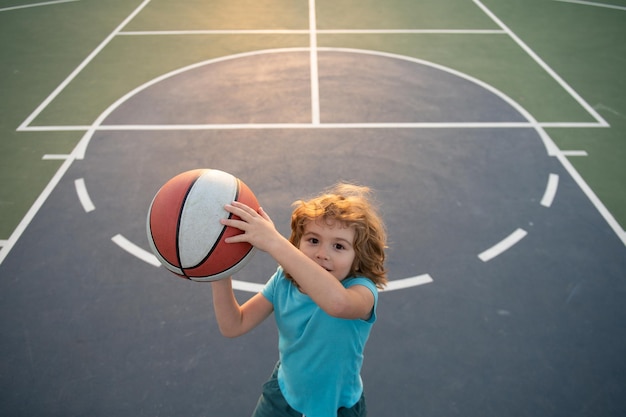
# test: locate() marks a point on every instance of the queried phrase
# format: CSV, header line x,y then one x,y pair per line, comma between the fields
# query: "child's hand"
x,y
258,229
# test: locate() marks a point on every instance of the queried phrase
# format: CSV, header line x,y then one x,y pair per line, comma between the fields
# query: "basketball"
x,y
184,229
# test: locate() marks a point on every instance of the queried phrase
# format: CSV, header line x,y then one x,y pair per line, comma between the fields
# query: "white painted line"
x,y
79,69
315,89
217,32
575,153
590,3
252,287
255,126
55,157
550,193
551,148
135,250
400,284
503,245
260,126
30,214
83,195
76,128
543,65
573,124
412,31
247,286
319,31
604,212
3,242
25,6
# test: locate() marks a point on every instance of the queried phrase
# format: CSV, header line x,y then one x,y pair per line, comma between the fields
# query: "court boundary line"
x,y
28,6
590,3
582,102
55,93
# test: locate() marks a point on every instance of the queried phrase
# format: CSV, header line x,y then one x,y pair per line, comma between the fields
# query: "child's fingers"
x,y
264,214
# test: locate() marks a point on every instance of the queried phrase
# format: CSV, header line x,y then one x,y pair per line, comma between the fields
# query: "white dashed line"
x,y
503,245
548,196
135,250
400,284
83,195
247,286
252,287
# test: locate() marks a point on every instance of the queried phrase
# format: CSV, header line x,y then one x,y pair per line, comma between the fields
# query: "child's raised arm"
x,y
326,290
235,320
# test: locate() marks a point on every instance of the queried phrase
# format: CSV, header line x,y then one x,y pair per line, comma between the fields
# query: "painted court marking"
x,y
548,196
253,287
79,150
543,65
575,153
83,195
590,3
135,250
502,246
25,6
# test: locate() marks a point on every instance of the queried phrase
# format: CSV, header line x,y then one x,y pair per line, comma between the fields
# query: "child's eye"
x,y
313,241
339,246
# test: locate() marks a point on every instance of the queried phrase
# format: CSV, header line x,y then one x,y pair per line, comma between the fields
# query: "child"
x,y
324,296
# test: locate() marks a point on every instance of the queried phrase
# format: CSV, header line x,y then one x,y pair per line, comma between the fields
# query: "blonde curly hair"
x,y
350,205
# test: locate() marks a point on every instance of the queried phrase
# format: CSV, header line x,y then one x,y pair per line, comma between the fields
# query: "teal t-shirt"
x,y
321,356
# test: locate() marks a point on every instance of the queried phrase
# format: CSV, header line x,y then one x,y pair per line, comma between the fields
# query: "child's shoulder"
x,y
360,280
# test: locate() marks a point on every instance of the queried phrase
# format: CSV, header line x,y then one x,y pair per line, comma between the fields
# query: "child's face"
x,y
331,246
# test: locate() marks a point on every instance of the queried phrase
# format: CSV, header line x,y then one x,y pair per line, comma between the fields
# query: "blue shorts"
x,y
272,403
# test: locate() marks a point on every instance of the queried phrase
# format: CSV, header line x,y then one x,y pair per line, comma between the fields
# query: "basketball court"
x,y
508,272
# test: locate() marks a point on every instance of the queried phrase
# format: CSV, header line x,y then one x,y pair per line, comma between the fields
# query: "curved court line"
x,y
253,287
81,148
83,195
400,284
502,246
551,148
135,250
550,193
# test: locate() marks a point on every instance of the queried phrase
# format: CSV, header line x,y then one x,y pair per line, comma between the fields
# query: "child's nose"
x,y
322,253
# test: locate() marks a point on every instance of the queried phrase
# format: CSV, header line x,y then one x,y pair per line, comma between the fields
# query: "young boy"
x,y
324,297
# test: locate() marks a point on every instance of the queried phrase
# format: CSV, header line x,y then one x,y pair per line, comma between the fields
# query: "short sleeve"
x,y
269,289
350,282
